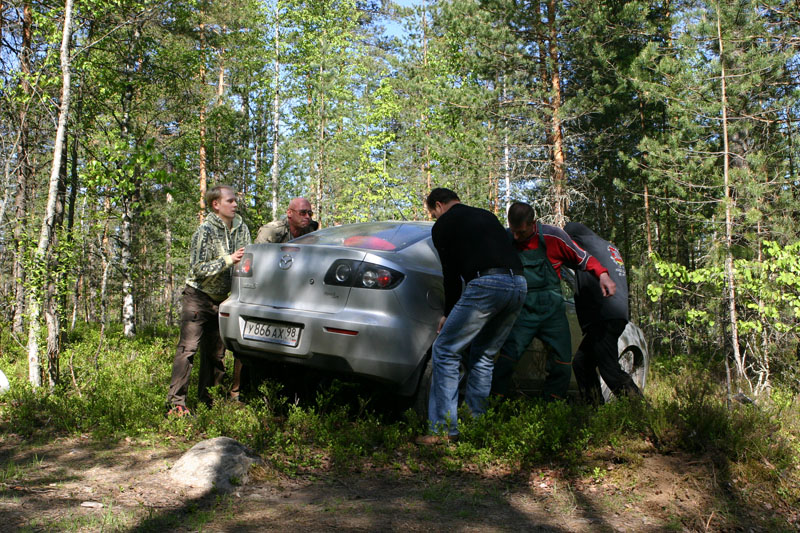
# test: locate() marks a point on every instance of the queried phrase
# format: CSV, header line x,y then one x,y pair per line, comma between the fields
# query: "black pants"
x,y
598,351
199,330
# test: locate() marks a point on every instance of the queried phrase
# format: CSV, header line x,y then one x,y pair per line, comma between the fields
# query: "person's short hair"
x,y
215,193
520,213
440,194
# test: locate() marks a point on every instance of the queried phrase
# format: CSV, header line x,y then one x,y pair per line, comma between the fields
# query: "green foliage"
x,y
118,388
694,415
119,391
768,304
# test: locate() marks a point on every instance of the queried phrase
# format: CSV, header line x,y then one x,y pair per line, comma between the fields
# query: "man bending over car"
x,y
476,252
543,249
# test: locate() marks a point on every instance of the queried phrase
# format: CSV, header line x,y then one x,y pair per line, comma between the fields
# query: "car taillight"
x,y
349,273
244,268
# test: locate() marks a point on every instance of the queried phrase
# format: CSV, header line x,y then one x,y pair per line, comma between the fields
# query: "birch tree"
x,y
48,221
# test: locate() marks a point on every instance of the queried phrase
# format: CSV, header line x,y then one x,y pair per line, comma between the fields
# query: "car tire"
x,y
420,405
636,363
424,389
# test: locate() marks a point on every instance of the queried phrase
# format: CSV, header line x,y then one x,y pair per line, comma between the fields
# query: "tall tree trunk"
x,y
169,289
126,261
276,115
645,188
203,159
506,155
426,159
218,102
53,299
728,199
203,165
24,172
321,149
48,222
105,253
73,196
130,199
559,165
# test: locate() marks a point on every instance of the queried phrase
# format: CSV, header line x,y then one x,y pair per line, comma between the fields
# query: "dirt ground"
x,y
78,484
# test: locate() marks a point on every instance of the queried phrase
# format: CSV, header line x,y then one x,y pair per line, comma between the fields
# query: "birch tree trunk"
x,y
506,158
646,189
276,115
169,289
48,222
105,254
728,199
130,198
52,298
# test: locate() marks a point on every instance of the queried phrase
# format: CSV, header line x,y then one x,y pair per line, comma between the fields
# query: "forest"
x,y
669,126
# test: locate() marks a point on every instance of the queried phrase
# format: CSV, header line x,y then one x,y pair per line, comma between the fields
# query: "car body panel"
x,y
384,335
289,277
381,334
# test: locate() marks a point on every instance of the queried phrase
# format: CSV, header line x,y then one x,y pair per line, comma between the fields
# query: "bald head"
x,y
299,216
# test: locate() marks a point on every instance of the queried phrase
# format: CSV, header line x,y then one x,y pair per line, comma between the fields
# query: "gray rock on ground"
x,y
221,463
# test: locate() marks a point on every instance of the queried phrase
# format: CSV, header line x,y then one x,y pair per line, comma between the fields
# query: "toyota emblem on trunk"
x,y
285,262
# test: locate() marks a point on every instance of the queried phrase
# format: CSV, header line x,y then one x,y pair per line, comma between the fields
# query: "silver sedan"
x,y
360,300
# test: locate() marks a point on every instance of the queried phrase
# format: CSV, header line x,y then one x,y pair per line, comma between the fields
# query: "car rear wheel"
x,y
635,363
420,405
424,390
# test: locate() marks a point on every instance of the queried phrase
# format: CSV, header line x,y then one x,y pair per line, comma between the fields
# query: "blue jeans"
x,y
483,316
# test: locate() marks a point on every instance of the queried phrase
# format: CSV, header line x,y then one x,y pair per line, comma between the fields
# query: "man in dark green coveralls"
x,y
543,249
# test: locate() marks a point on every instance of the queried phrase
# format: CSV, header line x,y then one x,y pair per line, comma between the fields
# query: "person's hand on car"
x,y
237,255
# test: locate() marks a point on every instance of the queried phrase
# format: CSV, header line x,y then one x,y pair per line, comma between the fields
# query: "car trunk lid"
x,y
290,276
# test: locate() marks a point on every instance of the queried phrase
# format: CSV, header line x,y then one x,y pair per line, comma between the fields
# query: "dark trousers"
x,y
543,317
598,352
241,377
199,330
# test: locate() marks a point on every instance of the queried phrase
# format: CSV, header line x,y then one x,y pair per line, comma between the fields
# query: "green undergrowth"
x,y
115,388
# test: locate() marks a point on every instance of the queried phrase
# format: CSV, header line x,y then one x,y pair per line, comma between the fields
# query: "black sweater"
x,y
590,303
470,239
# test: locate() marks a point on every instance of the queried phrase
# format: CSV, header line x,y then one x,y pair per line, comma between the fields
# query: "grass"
x,y
119,393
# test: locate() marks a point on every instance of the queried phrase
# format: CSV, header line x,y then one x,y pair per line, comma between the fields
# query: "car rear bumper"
x,y
378,346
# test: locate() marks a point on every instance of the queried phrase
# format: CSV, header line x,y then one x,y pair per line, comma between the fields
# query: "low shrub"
x,y
116,387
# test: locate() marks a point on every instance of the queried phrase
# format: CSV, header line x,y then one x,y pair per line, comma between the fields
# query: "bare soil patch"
x,y
82,485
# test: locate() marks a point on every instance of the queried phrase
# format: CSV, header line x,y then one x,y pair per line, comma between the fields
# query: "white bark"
x,y
729,273
34,304
506,161
276,115
126,259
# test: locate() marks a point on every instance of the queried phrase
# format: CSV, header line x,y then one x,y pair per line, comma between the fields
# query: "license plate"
x,y
285,334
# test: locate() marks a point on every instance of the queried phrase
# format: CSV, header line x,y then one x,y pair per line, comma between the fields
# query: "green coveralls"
x,y
543,316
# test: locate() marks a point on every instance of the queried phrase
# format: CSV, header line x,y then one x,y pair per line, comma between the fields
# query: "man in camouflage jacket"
x,y
217,245
297,222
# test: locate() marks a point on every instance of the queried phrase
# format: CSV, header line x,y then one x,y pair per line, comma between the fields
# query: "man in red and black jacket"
x,y
543,249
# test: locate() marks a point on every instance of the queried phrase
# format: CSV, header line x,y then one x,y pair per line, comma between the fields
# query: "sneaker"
x,y
179,411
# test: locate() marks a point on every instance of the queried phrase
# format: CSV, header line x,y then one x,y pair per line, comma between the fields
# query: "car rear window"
x,y
386,236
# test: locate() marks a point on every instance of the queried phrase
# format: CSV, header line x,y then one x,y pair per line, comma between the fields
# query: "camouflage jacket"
x,y
210,256
278,231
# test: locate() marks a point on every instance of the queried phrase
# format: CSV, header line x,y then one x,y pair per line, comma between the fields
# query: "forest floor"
x,y
80,484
